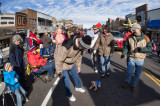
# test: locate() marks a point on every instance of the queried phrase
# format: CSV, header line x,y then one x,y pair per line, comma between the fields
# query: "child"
x,y
11,80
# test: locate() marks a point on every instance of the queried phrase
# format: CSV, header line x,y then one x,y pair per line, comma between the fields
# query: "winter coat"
x,y
33,40
16,59
66,56
9,79
35,60
132,43
46,41
105,44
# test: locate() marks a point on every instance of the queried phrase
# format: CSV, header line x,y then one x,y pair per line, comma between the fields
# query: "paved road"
x,y
111,93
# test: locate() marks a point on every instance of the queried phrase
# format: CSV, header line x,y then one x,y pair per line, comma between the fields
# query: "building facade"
x,y
150,21
31,18
65,24
44,23
7,20
116,25
7,28
54,21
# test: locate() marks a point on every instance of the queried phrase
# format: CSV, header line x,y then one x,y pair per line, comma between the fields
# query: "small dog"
x,y
95,85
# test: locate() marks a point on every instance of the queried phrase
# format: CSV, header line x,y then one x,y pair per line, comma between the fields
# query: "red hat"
x,y
97,26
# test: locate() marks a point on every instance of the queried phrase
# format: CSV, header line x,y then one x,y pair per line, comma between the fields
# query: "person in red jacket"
x,y
33,40
35,59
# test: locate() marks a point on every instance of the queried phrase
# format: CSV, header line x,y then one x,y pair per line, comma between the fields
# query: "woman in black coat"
x,y
16,52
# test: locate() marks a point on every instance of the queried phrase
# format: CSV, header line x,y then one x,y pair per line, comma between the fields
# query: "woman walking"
x,y
105,46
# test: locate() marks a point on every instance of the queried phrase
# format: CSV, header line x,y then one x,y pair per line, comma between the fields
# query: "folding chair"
x,y
36,75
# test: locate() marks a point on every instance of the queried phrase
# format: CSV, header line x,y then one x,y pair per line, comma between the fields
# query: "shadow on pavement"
x,y
58,97
111,93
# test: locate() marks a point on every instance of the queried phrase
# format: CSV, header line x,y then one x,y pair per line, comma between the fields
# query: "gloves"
x,y
138,49
16,79
94,51
122,56
60,75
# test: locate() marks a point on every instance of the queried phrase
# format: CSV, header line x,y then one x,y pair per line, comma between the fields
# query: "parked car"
x,y
118,38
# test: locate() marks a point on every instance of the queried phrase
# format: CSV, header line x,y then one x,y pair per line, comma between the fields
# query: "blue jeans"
x,y
95,58
66,80
130,68
18,92
49,67
105,63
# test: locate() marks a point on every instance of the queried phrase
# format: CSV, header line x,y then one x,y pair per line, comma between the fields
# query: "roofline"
x,y
153,9
36,11
148,11
8,13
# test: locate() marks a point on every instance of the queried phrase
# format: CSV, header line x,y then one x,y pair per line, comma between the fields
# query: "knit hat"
x,y
135,26
33,48
6,66
97,26
85,42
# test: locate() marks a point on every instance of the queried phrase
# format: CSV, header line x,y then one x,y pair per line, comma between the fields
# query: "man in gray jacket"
x,y
68,58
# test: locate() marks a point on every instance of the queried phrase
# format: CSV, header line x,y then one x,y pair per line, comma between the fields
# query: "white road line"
x,y
50,92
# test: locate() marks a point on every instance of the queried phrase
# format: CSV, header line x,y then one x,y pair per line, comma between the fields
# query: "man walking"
x,y
136,45
68,58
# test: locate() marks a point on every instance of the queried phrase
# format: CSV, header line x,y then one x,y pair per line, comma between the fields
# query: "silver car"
x,y
118,38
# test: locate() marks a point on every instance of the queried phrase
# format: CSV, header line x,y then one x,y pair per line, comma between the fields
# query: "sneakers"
x,y
27,100
103,75
80,90
108,74
96,71
72,98
125,85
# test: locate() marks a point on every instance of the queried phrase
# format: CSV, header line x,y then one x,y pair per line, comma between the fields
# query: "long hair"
x,y
107,28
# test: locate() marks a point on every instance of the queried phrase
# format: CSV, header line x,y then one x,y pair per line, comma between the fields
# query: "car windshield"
x,y
117,34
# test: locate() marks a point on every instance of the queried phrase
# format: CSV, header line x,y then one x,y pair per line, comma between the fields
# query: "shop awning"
x,y
7,31
154,24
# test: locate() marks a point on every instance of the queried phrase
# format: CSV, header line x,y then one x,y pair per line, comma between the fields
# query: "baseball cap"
x,y
135,26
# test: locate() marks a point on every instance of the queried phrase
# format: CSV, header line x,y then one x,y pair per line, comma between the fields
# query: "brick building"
x,y
31,18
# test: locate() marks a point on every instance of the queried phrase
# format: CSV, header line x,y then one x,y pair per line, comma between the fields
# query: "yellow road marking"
x,y
151,75
147,73
152,78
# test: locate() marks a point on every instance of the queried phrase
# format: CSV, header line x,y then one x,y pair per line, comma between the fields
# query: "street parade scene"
x,y
79,53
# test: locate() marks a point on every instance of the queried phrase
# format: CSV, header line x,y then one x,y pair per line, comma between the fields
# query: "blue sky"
x,y
86,12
